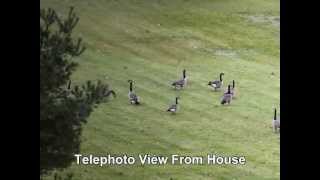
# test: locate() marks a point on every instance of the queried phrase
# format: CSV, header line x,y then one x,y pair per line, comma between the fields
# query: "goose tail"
x,y
223,102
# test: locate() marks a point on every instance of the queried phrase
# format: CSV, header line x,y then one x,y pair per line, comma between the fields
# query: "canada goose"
x,y
216,84
133,98
275,121
174,107
226,99
182,82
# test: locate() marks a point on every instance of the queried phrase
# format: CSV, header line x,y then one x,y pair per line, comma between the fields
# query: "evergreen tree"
x,y
64,107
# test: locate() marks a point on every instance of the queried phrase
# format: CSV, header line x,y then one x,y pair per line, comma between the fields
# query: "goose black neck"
x,y
233,84
130,86
275,114
221,76
176,100
184,73
229,89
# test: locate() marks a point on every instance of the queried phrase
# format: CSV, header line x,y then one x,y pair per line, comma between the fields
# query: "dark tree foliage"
x,y
64,107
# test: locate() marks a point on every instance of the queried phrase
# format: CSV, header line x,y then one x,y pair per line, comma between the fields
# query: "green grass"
x,y
155,40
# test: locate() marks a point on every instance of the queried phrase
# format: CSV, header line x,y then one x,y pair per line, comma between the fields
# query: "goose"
x,y
216,84
182,82
227,97
133,98
275,121
174,107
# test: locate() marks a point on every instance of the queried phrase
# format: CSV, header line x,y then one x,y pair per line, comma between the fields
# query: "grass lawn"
x,y
151,42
